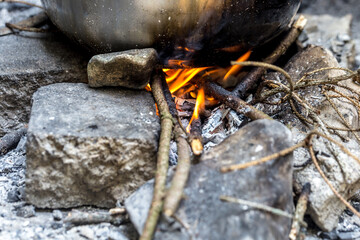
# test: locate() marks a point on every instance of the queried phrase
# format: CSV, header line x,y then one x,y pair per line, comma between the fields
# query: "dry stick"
x,y
314,159
234,102
22,2
162,158
282,153
313,82
250,80
30,22
301,207
178,183
263,207
85,218
25,29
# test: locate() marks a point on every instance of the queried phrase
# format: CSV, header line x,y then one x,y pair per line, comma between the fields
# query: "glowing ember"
x,y
199,106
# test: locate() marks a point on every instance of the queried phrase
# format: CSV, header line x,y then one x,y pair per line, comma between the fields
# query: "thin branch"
x,y
30,22
301,207
259,206
178,183
282,153
22,2
162,158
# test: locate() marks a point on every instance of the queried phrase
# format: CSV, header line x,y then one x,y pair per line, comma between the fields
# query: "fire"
x,y
199,107
236,68
179,78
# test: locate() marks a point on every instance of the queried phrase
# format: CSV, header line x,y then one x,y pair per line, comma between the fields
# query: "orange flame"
x,y
199,107
182,77
236,68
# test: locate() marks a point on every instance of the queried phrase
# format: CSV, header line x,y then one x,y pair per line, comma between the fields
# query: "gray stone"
x,y
89,146
209,218
26,212
344,174
57,215
333,33
138,205
29,61
131,69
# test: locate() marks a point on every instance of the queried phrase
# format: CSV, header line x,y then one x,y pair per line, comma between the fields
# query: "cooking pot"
x,y
113,25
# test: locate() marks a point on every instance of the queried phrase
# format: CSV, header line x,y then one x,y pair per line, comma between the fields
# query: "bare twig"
x,y
85,218
10,140
22,2
301,207
262,160
30,22
250,80
25,29
178,183
259,206
162,157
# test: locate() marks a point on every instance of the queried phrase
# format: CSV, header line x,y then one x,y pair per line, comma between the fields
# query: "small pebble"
x,y
26,212
57,215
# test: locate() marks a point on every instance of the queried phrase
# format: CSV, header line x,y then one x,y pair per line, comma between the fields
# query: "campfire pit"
x,y
206,100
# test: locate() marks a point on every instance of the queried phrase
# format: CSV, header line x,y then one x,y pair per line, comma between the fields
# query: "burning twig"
x,y
162,157
194,128
175,192
29,23
259,206
10,140
250,80
301,207
234,102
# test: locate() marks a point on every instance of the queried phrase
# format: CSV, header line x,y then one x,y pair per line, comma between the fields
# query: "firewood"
x,y
26,24
234,102
162,157
178,183
301,207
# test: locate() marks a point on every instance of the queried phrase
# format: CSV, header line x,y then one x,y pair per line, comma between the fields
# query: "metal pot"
x,y
113,25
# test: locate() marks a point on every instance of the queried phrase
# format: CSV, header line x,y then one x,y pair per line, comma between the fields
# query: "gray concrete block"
x,y
29,61
131,69
89,146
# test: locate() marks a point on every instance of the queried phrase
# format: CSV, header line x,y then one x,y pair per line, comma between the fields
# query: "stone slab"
x,y
205,216
29,61
89,146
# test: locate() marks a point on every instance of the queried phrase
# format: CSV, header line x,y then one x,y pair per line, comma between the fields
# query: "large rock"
x,y
209,218
131,69
89,147
344,172
29,61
